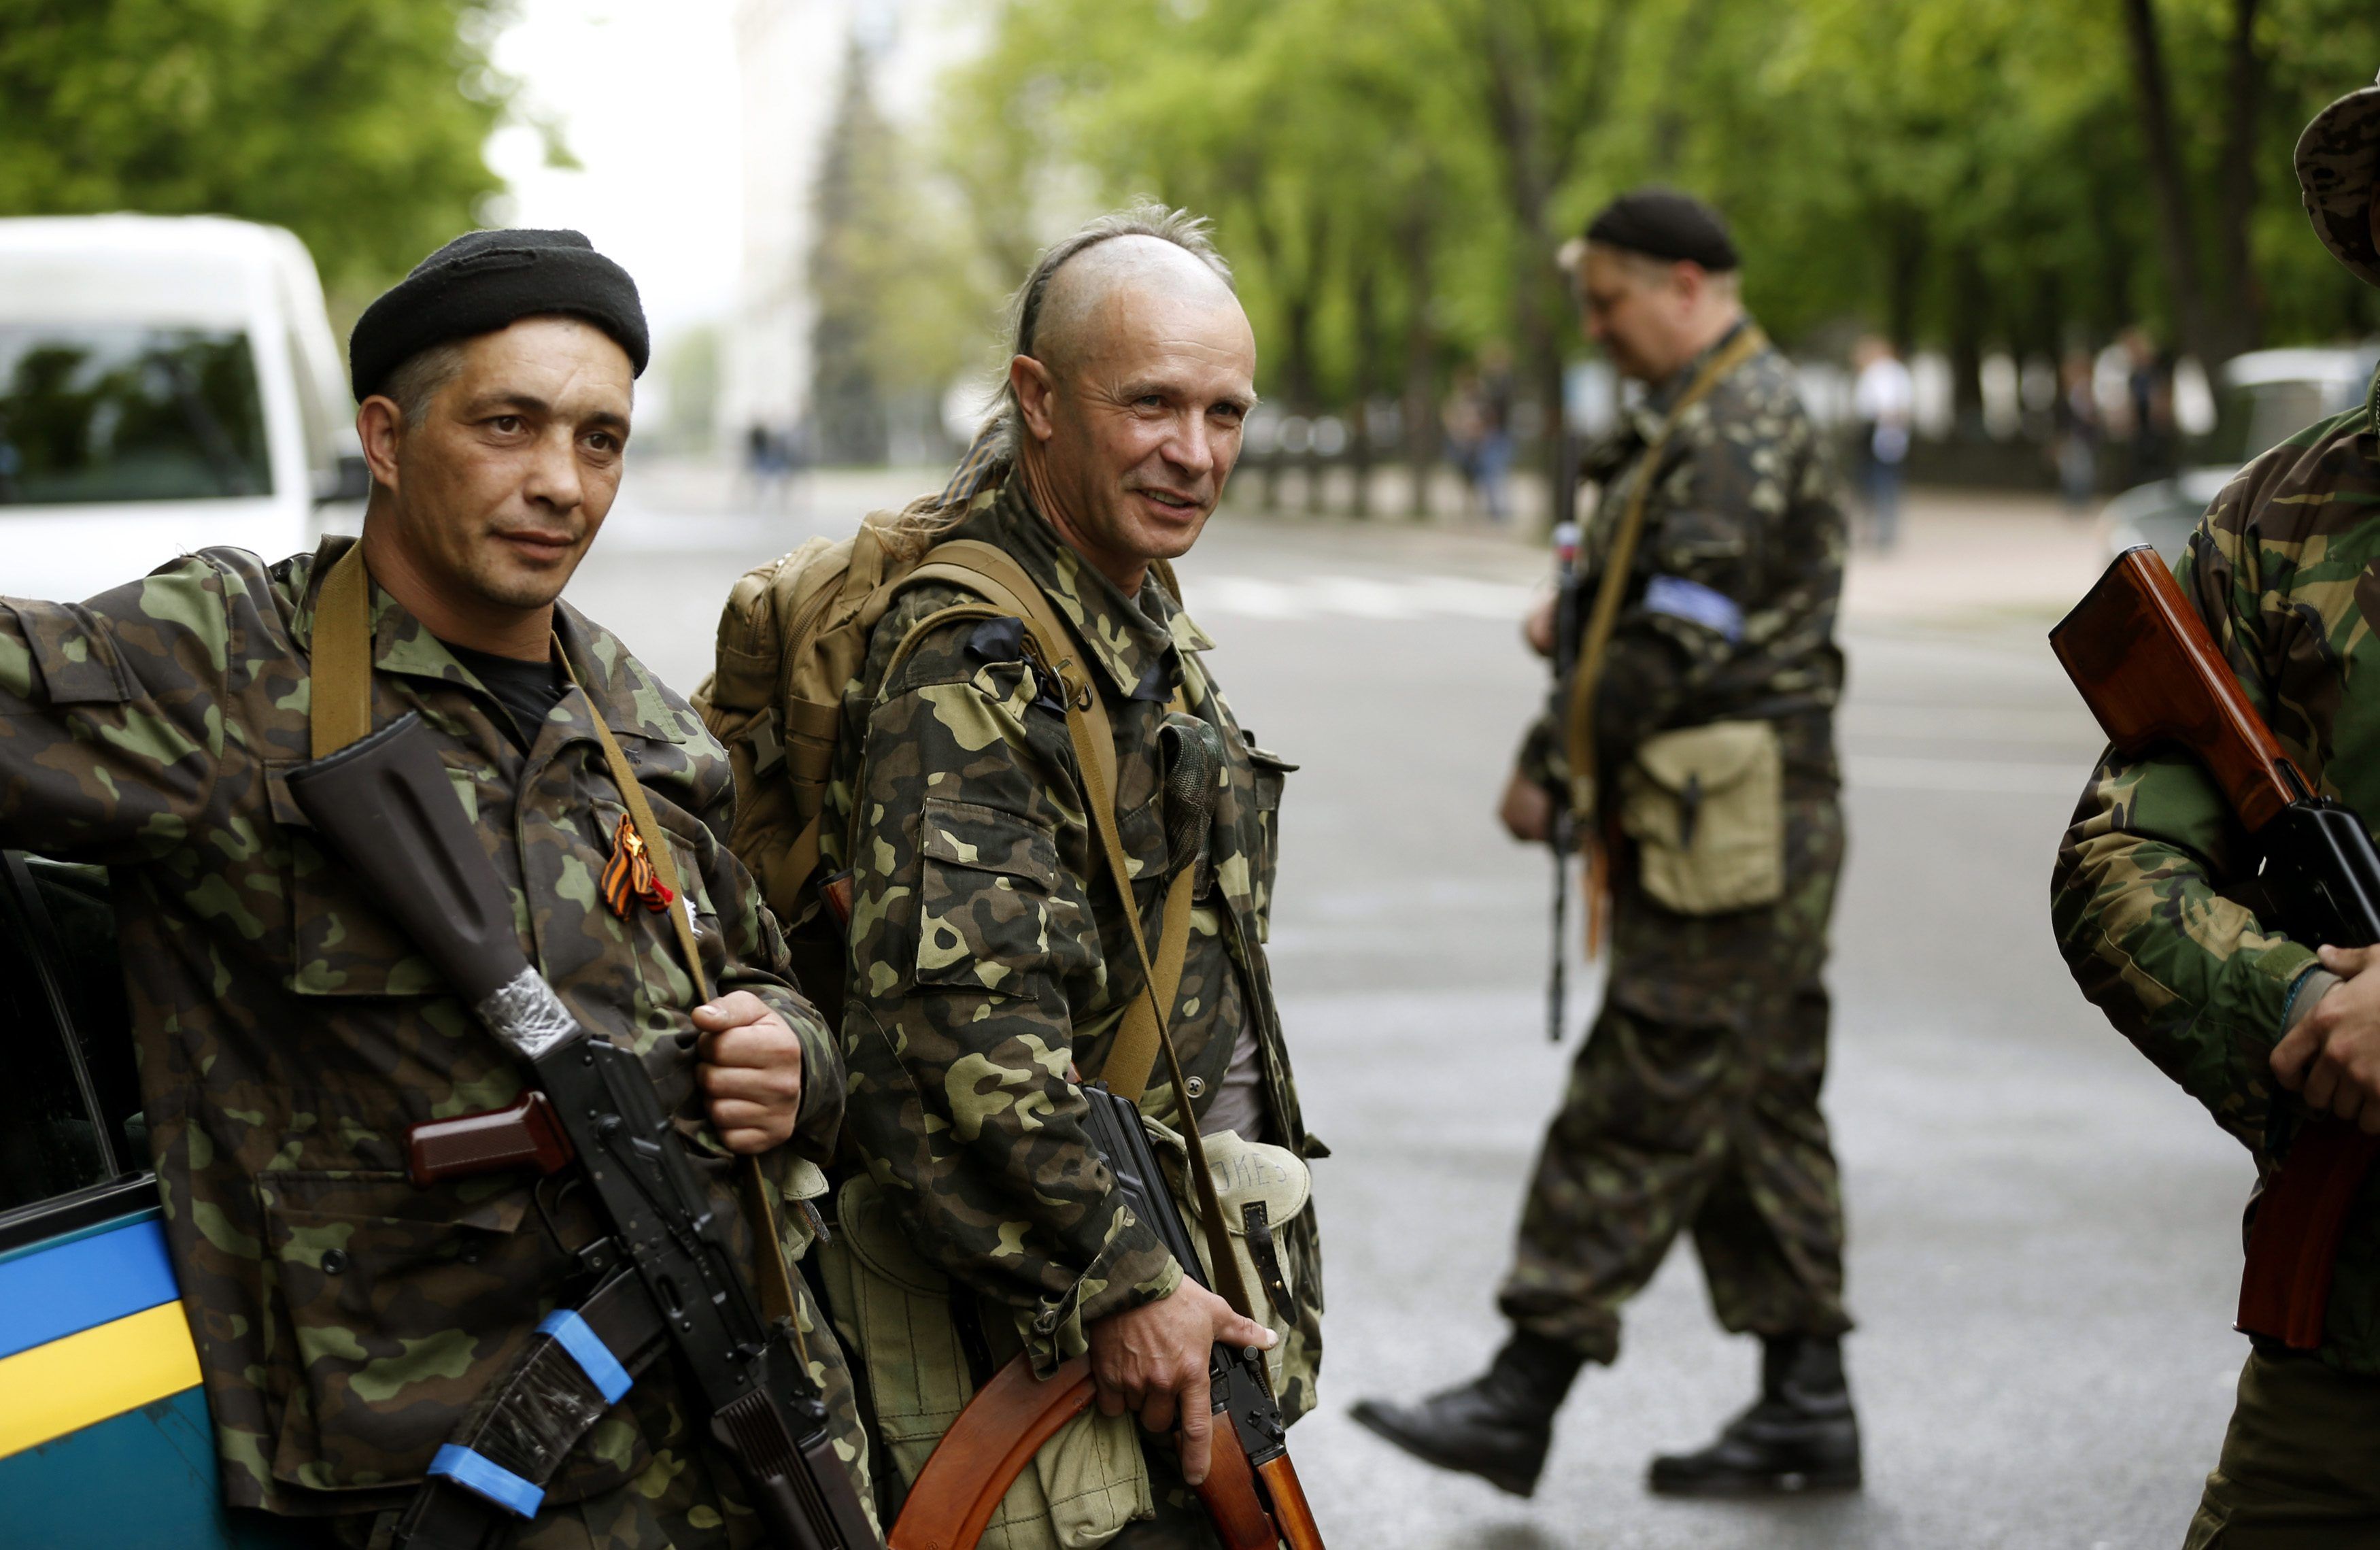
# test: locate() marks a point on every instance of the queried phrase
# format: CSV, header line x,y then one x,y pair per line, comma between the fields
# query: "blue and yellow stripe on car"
x,y
90,1327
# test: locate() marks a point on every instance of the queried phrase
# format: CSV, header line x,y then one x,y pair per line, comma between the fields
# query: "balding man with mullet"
x,y
991,958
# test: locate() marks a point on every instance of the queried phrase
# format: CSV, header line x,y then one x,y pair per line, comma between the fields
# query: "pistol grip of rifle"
x,y
526,1134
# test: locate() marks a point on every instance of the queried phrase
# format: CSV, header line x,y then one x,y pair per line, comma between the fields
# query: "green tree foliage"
x,y
1392,176
357,124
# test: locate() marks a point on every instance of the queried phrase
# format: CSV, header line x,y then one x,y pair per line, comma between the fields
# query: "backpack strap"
x,y
993,573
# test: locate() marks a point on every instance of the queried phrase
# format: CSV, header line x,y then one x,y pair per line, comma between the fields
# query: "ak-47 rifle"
x,y
2152,675
386,809
1251,1490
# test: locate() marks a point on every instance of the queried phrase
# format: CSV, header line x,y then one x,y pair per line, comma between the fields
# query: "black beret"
x,y
1665,224
486,280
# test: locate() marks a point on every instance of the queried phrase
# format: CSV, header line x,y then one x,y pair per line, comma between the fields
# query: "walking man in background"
x,y
1695,742
1884,401
2280,572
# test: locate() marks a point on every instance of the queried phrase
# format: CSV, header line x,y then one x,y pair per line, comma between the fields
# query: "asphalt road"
x,y
2043,1233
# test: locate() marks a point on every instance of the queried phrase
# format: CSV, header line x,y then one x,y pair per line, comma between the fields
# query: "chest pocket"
x,y
1705,807
341,943
1270,773
983,896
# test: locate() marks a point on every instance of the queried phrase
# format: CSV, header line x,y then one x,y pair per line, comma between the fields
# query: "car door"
x,y
104,1437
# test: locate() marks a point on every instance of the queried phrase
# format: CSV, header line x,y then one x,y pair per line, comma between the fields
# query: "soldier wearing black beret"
x,y
1693,744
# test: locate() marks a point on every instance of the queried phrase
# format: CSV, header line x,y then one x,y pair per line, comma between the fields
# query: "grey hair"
x,y
1146,217
420,377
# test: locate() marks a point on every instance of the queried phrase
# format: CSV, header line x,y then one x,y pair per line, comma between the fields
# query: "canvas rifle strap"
x,y
1617,563
339,712
992,572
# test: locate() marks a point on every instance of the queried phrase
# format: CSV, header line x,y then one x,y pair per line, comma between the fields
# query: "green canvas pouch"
x,y
893,1309
1706,806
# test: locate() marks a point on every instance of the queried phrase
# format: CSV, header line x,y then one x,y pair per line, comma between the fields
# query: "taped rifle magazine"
x,y
527,1015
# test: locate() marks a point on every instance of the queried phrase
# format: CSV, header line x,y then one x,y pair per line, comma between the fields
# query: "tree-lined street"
x,y
2043,1232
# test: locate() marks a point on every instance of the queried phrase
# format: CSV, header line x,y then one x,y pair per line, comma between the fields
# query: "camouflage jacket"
x,y
2285,569
344,1319
988,951
1730,614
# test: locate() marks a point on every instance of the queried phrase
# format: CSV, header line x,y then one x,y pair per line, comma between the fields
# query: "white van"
x,y
167,384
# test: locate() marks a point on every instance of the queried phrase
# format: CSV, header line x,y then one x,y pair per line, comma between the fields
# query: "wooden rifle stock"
x,y
2150,674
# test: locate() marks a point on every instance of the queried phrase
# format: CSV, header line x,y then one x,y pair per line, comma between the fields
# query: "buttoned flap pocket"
x,y
1275,1181
342,942
984,896
1270,773
403,1306
1706,807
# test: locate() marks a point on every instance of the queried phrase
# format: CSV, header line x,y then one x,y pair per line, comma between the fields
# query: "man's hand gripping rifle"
x,y
2153,676
385,806
1251,1490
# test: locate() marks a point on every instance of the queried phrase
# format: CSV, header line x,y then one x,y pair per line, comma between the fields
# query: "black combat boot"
x,y
1800,1436
1498,1426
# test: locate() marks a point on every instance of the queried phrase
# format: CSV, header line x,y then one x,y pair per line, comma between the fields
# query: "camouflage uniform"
x,y
2285,569
1694,1101
344,1320
988,951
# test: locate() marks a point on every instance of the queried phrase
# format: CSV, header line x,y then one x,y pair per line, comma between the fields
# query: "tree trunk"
x,y
1368,367
2239,324
1420,411
1904,279
2178,228
1970,304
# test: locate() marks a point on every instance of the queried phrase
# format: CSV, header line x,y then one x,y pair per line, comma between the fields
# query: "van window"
x,y
121,412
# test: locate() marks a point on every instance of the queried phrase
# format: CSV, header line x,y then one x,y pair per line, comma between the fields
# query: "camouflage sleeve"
x,y
968,930
112,713
1539,757
2190,977
1714,513
756,961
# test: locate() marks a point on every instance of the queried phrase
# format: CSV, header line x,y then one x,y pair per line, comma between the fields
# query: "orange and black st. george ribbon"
x,y
628,877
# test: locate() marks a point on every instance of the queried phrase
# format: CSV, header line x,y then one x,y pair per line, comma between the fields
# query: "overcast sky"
x,y
647,94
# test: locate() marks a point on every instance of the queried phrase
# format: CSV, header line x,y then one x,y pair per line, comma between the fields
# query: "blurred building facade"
x,y
792,58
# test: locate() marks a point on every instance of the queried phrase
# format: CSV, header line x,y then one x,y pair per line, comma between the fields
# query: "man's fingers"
x,y
1111,1402
2346,962
1197,1445
734,1009
2291,1055
751,1084
1237,1329
1157,1410
2320,1081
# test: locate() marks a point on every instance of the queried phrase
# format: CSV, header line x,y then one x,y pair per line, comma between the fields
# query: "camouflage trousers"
x,y
2296,1470
1695,1105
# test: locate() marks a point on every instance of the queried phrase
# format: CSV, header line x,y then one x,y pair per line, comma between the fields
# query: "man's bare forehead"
x,y
1119,287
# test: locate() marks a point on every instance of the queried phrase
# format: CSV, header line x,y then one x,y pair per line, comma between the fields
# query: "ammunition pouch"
x,y
894,1310
1706,806
1261,1188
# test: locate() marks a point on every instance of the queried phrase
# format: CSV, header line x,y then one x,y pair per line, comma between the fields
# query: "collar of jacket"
x,y
621,691
1655,406
1138,645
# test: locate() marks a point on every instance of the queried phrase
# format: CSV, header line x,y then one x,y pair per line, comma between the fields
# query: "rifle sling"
x,y
1618,563
339,712
992,572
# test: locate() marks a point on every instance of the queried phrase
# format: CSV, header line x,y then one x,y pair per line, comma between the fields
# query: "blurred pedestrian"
x,y
2274,1036
1884,402
2076,430
1694,746
1492,458
2148,395
1465,429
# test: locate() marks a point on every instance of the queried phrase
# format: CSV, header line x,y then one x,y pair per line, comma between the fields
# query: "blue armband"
x,y
1682,599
